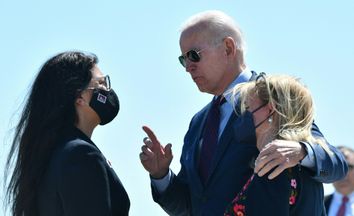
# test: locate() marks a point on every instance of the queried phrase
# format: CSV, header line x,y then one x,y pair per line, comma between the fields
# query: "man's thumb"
x,y
168,151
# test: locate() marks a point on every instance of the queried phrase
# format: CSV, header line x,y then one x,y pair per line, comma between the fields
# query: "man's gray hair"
x,y
218,25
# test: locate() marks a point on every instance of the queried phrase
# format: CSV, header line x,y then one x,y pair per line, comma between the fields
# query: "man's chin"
x,y
342,185
201,89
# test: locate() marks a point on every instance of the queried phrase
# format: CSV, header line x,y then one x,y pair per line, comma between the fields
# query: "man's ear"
x,y
230,46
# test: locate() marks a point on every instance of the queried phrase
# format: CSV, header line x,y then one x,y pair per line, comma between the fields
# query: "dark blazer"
x,y
80,181
327,201
186,195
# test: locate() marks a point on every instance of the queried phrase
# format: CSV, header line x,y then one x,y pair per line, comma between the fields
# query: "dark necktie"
x,y
341,211
210,138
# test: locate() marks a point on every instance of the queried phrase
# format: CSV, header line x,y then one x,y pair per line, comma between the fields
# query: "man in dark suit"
x,y
216,158
341,202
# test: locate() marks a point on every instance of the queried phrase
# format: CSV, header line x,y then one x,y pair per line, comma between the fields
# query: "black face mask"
x,y
245,120
106,104
260,123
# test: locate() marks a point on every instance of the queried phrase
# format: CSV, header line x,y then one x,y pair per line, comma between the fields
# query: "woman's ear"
x,y
80,100
270,107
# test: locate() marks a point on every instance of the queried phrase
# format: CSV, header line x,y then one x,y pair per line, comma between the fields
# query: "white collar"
x,y
337,197
244,76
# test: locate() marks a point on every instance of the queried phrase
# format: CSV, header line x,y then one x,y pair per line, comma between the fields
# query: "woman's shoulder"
x,y
75,150
77,145
71,154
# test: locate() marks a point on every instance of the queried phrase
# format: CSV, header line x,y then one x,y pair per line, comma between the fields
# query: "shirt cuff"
x,y
161,184
309,160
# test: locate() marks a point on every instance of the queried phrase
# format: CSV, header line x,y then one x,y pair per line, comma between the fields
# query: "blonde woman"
x,y
280,108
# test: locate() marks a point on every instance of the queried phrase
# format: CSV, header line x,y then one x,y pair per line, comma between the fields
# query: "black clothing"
x,y
80,181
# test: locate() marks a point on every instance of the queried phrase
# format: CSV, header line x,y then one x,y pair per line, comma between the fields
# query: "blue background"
x,y
137,44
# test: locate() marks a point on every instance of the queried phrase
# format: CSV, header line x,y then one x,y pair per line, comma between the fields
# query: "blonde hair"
x,y
292,103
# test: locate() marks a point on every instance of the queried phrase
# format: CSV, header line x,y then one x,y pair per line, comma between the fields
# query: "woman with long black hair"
x,y
58,170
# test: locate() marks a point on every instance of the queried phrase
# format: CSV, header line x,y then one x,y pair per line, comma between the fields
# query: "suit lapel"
x,y
327,201
196,146
224,142
226,137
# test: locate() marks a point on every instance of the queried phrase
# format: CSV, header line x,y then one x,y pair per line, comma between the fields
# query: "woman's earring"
x,y
270,120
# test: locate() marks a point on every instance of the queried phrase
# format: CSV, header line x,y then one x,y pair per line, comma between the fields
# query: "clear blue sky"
x,y
137,44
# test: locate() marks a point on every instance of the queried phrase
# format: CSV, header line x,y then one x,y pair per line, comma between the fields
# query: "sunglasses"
x,y
191,55
101,83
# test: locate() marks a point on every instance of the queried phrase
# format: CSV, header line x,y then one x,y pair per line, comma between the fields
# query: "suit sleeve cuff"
x,y
309,159
161,184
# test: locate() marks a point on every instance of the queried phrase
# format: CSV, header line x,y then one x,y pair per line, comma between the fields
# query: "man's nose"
x,y
190,66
